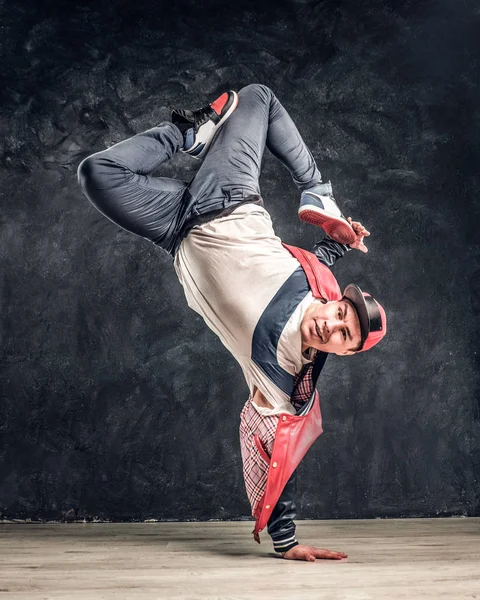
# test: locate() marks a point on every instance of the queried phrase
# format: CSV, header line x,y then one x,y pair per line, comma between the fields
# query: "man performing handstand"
x,y
278,309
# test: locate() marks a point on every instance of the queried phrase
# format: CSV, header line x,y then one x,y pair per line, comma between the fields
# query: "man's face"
x,y
331,327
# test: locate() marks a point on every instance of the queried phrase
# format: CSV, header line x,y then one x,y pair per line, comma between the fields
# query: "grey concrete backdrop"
x,y
116,400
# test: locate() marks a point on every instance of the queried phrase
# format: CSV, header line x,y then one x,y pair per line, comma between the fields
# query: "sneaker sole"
x,y
335,227
208,143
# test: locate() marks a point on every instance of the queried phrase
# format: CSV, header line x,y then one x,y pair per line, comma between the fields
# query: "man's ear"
x,y
347,353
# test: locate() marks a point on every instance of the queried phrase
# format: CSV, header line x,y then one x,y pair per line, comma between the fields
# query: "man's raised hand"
x,y
310,553
360,232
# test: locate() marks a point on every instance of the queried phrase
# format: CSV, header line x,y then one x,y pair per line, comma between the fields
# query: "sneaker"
x,y
322,210
199,127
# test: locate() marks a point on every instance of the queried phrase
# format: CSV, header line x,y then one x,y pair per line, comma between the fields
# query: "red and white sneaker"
x,y
322,210
199,127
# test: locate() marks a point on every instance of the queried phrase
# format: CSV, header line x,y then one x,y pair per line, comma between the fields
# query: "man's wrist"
x,y
292,546
284,545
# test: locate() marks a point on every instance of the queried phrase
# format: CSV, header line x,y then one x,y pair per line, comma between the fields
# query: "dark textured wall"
x,y
116,400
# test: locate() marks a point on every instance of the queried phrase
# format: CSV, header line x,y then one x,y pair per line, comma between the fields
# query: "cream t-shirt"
x,y
230,269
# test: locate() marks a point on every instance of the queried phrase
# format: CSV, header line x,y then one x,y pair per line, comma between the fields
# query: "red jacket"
x,y
294,434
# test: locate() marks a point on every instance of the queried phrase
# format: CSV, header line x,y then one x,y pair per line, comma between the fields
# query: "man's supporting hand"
x,y
310,553
360,232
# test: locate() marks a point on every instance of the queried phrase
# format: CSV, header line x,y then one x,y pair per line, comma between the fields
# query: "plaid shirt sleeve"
x,y
257,434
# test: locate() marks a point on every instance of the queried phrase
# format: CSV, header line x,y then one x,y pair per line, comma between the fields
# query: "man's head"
x,y
353,324
331,327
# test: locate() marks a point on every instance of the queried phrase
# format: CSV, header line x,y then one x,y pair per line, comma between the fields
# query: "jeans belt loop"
x,y
232,195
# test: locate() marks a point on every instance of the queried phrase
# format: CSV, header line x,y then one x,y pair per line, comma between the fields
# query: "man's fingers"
x,y
357,227
311,558
359,245
330,554
361,230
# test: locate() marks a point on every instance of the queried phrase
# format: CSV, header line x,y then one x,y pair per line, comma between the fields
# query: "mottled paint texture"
x,y
116,401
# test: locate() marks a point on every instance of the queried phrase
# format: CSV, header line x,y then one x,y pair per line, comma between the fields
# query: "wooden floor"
x,y
388,559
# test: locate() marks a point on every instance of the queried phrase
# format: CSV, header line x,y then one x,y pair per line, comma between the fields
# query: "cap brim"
x,y
353,293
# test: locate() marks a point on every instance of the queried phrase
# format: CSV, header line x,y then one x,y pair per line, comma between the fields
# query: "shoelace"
x,y
202,115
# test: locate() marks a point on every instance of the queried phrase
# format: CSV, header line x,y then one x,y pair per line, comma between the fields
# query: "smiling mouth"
x,y
319,332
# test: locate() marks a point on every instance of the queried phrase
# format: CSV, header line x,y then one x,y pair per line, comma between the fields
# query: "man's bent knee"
x,y
87,172
96,173
260,89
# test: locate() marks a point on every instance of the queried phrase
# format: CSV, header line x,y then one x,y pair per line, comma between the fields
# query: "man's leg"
x,y
231,168
118,183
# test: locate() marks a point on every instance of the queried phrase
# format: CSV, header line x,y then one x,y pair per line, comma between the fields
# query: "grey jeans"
x,y
119,183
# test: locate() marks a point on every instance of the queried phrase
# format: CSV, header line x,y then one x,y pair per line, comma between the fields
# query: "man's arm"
x,y
281,527
328,251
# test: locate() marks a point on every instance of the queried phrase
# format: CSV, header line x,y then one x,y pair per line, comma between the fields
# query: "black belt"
x,y
216,214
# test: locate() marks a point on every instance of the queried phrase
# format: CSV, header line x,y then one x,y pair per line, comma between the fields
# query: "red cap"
x,y
372,317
